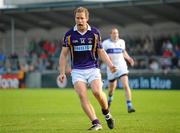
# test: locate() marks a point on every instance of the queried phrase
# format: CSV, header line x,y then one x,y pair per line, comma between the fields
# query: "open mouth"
x,y
80,24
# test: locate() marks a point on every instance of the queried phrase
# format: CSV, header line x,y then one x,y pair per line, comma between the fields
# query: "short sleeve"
x,y
104,44
65,43
123,45
99,40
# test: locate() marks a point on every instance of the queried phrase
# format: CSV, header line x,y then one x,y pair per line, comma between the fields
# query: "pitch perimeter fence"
x,y
139,80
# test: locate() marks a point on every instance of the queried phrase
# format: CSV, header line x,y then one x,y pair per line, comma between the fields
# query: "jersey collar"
x,y
82,33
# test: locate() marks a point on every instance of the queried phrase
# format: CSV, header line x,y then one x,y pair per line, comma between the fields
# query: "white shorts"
x,y
117,74
85,75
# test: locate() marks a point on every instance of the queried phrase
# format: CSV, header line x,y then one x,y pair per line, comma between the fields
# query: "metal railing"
x,y
142,64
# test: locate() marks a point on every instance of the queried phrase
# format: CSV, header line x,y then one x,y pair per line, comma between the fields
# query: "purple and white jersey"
x,y
83,47
115,52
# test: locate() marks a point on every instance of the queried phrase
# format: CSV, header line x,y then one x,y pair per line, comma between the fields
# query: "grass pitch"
x,y
59,111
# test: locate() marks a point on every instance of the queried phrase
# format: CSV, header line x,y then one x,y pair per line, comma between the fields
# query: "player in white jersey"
x,y
116,50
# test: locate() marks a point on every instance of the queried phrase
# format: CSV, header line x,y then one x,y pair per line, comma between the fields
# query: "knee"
x,y
111,91
126,87
82,95
97,94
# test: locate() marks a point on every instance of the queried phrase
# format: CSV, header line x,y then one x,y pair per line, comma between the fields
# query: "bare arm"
x,y
105,58
128,58
63,62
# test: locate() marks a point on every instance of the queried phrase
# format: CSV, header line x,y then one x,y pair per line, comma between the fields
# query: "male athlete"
x,y
115,48
84,44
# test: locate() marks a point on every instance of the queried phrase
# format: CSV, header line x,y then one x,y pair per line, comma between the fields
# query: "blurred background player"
x,y
115,48
84,44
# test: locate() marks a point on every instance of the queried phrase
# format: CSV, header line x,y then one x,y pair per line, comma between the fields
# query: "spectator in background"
x,y
166,61
43,55
167,53
148,46
8,66
167,47
31,47
49,64
136,64
166,64
22,75
176,58
142,64
2,68
2,63
2,57
14,60
58,48
46,45
52,49
177,51
175,39
153,64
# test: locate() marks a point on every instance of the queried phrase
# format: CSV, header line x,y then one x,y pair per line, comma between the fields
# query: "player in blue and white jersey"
x,y
116,50
83,42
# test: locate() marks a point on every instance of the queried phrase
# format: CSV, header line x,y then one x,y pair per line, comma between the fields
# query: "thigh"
x,y
124,80
96,85
112,85
80,88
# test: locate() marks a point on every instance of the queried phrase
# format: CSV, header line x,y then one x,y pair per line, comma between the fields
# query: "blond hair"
x,y
82,9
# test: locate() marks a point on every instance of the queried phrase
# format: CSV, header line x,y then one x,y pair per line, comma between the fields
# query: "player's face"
x,y
114,35
81,21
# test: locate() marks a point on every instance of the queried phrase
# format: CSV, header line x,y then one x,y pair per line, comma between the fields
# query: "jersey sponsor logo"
x,y
90,40
74,41
114,51
83,48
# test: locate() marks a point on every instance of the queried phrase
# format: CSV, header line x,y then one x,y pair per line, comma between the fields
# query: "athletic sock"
x,y
110,98
96,121
106,114
105,111
129,104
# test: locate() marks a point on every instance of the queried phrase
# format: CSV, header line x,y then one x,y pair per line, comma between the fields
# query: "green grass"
x,y
59,111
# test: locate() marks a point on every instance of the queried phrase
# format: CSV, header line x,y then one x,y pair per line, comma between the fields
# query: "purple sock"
x,y
105,111
96,121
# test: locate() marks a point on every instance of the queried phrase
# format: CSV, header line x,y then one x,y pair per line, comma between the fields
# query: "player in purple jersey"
x,y
84,45
116,50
